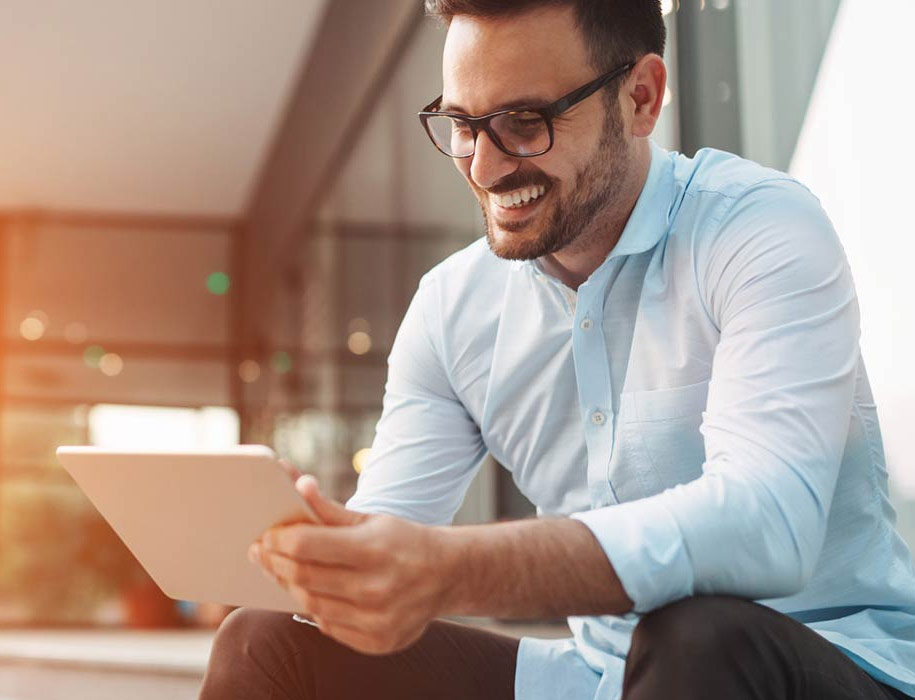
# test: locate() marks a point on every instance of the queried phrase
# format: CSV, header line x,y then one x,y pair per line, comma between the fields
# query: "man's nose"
x,y
489,164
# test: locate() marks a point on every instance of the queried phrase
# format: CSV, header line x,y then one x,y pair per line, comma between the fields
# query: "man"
x,y
664,349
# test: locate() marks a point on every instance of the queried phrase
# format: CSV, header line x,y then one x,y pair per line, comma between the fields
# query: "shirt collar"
x,y
650,217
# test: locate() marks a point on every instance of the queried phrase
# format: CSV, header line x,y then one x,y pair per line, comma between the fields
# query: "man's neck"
x,y
574,264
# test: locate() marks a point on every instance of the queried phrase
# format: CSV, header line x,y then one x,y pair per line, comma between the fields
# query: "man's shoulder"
x,y
730,176
748,221
735,197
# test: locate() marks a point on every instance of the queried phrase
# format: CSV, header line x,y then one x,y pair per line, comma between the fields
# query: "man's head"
x,y
501,54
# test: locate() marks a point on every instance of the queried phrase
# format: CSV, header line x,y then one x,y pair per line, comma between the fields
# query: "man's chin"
x,y
513,237
513,245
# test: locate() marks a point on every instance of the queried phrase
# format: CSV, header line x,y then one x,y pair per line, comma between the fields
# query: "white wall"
x,y
855,152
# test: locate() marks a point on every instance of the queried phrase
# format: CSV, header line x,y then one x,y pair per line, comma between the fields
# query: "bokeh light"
x,y
31,328
359,342
249,371
218,283
668,96
281,362
93,355
360,459
111,364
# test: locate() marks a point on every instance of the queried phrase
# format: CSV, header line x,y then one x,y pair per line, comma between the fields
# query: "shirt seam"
x,y
704,190
716,225
872,472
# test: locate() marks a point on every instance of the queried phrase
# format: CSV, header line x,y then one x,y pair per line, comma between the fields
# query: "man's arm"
x,y
538,568
374,582
775,282
778,286
427,448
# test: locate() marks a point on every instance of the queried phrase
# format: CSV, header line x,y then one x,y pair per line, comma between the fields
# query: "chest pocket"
x,y
659,440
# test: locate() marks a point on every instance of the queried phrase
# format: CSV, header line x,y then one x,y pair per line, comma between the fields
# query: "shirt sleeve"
x,y
776,283
427,448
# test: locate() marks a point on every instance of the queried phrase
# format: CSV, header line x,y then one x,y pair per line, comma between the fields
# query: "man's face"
x,y
535,58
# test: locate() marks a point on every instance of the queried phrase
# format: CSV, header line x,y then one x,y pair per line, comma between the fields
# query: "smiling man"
x,y
664,353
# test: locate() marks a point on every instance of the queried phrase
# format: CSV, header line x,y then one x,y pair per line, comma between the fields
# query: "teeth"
x,y
519,198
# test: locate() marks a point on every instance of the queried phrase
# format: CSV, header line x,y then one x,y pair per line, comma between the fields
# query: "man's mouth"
x,y
518,199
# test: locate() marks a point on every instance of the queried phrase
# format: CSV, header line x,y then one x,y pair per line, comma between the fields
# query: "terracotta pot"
x,y
146,606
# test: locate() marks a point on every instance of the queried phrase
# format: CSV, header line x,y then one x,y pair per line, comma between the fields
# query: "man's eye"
x,y
525,124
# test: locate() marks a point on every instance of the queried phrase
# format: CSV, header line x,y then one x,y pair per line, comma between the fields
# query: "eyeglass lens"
x,y
520,133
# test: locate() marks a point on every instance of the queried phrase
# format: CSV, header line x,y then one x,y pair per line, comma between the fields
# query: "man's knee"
x,y
245,629
251,651
708,646
701,627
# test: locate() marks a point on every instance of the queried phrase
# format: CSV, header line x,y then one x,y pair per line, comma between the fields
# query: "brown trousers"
x,y
702,648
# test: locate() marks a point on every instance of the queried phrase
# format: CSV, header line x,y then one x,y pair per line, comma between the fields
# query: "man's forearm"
x,y
549,567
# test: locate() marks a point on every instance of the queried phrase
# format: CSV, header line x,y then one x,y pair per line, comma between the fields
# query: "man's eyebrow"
x,y
519,103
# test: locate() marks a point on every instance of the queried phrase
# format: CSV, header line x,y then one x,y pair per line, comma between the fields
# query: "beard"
x,y
594,190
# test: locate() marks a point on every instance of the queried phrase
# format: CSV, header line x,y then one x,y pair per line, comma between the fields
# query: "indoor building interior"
x,y
214,215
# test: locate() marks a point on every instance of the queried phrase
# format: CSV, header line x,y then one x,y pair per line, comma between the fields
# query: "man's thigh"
x,y
259,654
720,646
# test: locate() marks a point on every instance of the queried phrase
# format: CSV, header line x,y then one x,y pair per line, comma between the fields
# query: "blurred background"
x,y
213,216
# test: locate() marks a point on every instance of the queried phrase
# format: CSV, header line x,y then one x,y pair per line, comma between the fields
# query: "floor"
x,y
110,664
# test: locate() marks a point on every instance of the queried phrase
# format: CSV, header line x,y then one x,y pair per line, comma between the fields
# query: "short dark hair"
x,y
616,31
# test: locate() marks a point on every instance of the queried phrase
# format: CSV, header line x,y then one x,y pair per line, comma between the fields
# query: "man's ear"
x,y
643,94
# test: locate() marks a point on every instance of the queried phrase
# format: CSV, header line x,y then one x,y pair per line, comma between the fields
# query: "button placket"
x,y
594,391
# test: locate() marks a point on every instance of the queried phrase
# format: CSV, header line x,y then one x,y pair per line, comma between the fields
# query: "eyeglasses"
x,y
521,133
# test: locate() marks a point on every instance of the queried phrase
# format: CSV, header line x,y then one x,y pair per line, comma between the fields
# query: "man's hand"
x,y
372,582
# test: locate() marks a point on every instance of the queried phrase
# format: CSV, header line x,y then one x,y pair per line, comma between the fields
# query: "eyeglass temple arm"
x,y
432,106
576,96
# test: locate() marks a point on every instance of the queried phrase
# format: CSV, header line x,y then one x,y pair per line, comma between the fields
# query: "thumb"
x,y
292,472
328,510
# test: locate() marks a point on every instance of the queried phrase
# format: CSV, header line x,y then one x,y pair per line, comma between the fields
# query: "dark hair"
x,y
616,31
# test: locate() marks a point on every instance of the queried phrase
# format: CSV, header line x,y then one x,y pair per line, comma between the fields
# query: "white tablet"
x,y
189,518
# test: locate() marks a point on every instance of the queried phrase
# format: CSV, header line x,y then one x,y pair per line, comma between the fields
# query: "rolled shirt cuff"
x,y
644,545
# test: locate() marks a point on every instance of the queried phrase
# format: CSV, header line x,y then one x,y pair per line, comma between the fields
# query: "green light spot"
x,y
281,362
92,355
218,283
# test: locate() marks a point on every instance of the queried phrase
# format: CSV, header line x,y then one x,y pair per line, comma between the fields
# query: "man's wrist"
x,y
451,567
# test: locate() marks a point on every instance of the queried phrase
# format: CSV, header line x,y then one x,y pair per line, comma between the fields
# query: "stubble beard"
x,y
576,218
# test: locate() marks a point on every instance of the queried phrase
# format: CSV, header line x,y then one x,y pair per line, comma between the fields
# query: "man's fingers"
x,y
332,581
353,638
292,471
294,475
310,543
327,510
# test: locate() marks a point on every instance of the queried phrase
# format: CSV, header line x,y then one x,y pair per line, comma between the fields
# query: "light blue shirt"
x,y
700,403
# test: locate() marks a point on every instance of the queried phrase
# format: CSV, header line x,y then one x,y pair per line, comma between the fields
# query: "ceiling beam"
x,y
357,47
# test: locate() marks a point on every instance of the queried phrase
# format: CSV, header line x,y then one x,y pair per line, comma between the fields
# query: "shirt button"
x,y
598,418
587,324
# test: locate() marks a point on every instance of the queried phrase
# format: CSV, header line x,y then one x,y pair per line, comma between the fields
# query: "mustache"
x,y
517,181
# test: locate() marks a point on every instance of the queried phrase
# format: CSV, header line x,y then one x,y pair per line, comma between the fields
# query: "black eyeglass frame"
x,y
547,113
